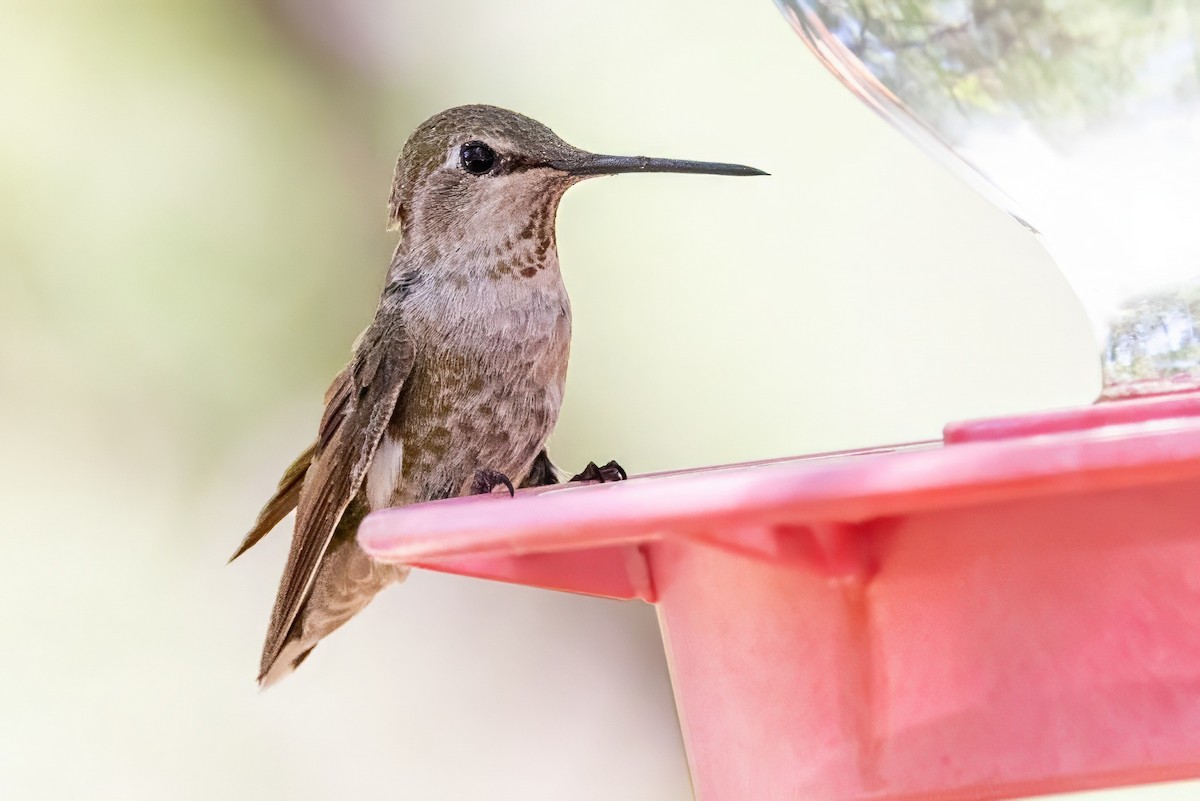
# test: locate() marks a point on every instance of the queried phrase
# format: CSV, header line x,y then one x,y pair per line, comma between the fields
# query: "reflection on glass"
x,y
1081,117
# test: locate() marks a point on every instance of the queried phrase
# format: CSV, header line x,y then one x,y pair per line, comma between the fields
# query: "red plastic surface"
x,y
1012,613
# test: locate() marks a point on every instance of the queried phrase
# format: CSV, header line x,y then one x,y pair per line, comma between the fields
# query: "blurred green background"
x,y
191,236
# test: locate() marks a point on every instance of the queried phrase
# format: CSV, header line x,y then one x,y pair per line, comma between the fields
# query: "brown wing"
x,y
282,502
287,494
358,407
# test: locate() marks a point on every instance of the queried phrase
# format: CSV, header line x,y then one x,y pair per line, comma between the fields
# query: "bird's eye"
x,y
477,158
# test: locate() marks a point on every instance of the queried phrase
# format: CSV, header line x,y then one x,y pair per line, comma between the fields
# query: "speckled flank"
x,y
481,402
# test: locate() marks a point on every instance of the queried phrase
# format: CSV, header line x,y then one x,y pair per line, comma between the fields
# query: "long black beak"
x,y
594,164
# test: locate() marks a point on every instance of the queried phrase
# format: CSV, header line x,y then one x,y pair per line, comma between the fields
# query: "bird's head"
x,y
474,178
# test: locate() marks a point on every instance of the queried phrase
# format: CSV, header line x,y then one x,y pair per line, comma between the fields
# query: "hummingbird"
x,y
456,384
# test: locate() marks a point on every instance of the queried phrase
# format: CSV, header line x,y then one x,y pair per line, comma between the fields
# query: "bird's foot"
x,y
609,472
487,480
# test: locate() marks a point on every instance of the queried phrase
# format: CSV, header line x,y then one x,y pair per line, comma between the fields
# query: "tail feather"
x,y
345,583
290,656
282,502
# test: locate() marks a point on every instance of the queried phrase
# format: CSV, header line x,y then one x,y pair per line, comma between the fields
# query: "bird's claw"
x,y
609,472
487,480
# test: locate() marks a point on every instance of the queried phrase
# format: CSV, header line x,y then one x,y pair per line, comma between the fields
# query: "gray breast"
x,y
485,391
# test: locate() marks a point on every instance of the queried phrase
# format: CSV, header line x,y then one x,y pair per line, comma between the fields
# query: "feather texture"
x,y
286,496
543,473
359,405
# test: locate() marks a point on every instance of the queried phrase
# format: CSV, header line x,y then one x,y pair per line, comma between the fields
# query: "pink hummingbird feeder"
x,y
1014,610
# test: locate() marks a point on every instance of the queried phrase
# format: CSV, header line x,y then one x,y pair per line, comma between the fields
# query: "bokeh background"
x,y
191,236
